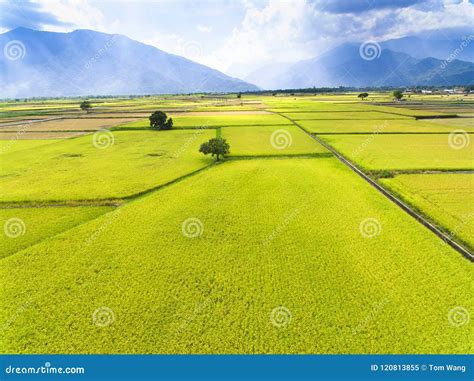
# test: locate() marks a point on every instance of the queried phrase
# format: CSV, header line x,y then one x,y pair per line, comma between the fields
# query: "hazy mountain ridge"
x,y
422,60
86,62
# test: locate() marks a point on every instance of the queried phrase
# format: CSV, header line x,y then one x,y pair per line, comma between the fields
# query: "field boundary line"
x,y
404,206
114,202
57,234
28,121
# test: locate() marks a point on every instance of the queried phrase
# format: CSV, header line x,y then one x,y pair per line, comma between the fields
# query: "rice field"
x,y
197,121
406,152
24,227
13,145
373,126
271,140
102,166
463,122
277,237
363,115
447,198
126,240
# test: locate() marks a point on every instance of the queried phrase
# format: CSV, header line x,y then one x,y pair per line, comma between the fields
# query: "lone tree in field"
x,y
160,121
363,95
215,147
85,106
397,94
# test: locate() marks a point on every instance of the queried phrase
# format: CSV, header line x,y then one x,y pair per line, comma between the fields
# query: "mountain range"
x,y
344,66
441,58
85,62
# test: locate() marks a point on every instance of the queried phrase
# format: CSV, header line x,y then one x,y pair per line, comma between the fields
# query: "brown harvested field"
x,y
115,115
78,124
27,135
24,119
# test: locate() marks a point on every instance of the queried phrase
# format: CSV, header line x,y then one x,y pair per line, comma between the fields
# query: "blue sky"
x,y
237,35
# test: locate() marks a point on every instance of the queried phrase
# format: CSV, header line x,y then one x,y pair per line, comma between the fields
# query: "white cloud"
x,y
204,28
274,32
266,31
282,31
80,13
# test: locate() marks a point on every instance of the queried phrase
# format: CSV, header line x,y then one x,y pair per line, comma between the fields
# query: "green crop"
x,y
23,227
120,164
253,256
445,198
270,140
364,115
371,126
392,152
181,121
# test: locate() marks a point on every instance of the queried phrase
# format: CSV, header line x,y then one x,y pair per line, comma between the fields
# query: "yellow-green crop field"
x,y
125,239
406,151
448,198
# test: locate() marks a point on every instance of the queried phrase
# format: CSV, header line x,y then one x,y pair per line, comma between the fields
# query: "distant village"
x,y
456,90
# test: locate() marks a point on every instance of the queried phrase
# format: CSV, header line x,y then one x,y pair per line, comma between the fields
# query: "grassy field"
x,y
372,126
24,227
279,248
447,198
275,238
195,121
407,152
271,140
13,145
467,123
125,163
365,115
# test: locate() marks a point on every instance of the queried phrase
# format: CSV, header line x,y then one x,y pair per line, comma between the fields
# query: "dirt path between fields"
x,y
421,219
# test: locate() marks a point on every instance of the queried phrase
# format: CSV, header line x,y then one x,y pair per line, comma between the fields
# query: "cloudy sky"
x,y
236,35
